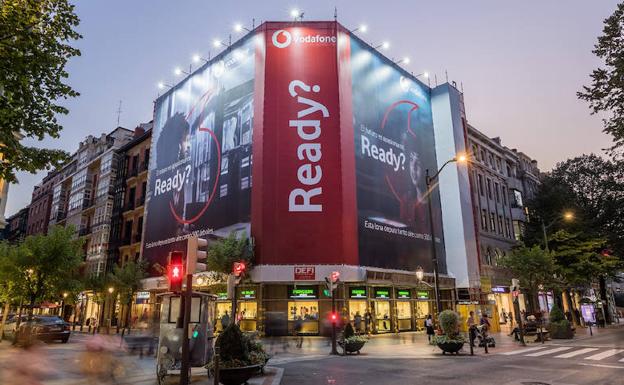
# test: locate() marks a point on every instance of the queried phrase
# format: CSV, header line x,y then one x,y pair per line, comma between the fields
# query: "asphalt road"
x,y
586,361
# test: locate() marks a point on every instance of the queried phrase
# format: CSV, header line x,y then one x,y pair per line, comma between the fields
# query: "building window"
x,y
500,224
504,193
484,220
517,199
493,222
508,228
480,178
489,188
518,229
497,192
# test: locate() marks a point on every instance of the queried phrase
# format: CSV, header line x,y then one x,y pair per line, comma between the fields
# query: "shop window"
x,y
404,311
247,310
382,313
357,307
306,310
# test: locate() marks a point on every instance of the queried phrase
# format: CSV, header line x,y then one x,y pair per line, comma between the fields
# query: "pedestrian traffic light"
x,y
333,317
175,270
239,269
195,253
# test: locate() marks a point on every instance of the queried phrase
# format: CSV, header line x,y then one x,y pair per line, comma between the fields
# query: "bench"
x,y
539,335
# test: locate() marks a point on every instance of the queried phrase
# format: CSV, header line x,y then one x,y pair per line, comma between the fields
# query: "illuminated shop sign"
x,y
500,289
302,292
422,295
248,294
382,293
403,294
222,295
357,292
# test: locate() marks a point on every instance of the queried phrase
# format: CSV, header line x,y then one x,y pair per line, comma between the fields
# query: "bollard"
x,y
216,366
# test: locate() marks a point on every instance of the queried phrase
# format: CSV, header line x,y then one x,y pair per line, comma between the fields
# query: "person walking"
x,y
429,327
298,330
357,320
225,320
367,321
471,322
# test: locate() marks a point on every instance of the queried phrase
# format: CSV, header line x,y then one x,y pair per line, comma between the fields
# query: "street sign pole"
x,y
518,316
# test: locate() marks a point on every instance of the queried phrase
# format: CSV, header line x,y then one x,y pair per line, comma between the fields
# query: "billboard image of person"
x,y
200,166
394,146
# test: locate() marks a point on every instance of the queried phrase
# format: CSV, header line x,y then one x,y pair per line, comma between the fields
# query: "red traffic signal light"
x,y
239,268
333,317
335,276
175,270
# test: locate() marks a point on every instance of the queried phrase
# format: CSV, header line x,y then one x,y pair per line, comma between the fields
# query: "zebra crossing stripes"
x,y
605,354
522,351
549,351
576,353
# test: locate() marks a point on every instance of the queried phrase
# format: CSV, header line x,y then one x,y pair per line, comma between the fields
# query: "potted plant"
x,y
451,340
351,342
559,327
237,362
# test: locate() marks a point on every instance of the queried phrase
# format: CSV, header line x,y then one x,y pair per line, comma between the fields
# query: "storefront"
x,y
403,309
422,308
223,312
501,297
381,309
358,304
247,309
303,305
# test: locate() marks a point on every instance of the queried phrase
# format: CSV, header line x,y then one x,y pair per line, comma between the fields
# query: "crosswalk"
x,y
566,352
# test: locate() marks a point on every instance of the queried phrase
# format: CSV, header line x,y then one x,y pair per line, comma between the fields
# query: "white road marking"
x,y
602,366
576,353
549,351
605,354
523,350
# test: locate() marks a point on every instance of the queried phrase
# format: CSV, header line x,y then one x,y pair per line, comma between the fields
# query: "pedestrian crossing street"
x,y
569,352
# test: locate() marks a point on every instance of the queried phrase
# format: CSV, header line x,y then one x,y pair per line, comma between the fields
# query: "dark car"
x,y
45,328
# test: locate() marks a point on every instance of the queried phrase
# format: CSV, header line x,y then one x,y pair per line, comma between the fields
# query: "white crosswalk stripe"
x,y
549,351
605,354
576,353
521,351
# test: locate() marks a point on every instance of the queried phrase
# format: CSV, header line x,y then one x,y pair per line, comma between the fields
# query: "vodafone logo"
x,y
283,38
286,40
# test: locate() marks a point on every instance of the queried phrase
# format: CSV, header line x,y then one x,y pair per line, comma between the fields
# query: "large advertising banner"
x,y
394,145
301,194
201,156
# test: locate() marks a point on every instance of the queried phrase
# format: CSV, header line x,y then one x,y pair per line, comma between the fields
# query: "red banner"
x,y
299,208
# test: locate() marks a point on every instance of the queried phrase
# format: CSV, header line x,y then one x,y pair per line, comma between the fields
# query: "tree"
x,y
606,92
11,287
49,264
534,267
35,38
127,280
223,253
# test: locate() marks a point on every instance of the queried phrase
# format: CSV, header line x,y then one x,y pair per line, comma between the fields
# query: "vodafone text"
x,y
309,130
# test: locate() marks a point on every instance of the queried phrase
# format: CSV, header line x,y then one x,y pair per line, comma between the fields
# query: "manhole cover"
x,y
534,383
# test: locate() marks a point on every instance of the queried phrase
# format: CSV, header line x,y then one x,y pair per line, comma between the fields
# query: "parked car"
x,y
45,328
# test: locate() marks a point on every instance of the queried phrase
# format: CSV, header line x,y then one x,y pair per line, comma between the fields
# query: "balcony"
x,y
84,230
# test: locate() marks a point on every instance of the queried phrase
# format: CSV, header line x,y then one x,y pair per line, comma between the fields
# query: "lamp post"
x,y
63,306
568,216
110,308
434,252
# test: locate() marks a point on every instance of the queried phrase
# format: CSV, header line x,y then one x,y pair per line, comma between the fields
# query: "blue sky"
x,y
520,63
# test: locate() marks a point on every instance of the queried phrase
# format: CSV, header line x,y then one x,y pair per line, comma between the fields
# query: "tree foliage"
x,y
606,92
35,37
49,264
223,253
127,278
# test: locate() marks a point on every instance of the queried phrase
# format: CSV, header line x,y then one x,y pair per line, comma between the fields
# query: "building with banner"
x,y
311,141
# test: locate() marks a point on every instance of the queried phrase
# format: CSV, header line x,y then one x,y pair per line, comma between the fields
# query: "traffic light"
x,y
195,253
333,317
175,270
239,269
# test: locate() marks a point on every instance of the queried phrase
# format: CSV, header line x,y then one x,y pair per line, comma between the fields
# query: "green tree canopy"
x,y
35,37
605,94
534,267
127,278
223,253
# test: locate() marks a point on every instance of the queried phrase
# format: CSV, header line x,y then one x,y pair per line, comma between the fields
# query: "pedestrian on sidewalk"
x,y
367,321
357,320
429,327
472,324
298,332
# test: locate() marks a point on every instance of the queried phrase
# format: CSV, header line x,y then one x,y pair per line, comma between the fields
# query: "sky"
x,y
520,63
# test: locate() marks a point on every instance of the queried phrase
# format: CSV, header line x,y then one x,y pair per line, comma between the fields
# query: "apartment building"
x,y
41,204
83,196
16,226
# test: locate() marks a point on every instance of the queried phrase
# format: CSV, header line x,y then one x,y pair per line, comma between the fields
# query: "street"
x,y
386,359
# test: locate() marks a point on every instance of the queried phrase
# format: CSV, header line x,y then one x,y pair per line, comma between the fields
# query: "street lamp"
x,y
111,290
566,216
460,158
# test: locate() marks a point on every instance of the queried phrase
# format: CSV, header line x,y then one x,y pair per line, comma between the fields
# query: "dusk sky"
x,y
520,63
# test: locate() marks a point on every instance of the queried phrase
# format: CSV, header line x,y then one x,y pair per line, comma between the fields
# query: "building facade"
x,y
83,196
41,204
17,226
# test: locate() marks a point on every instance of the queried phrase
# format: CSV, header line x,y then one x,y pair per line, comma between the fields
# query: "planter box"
x,y
352,347
451,347
237,376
